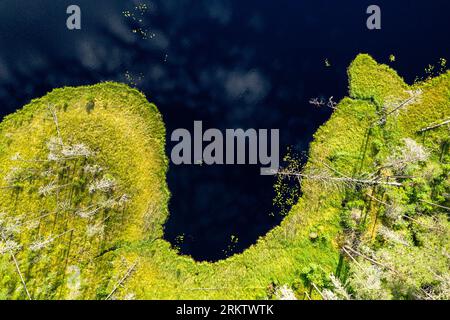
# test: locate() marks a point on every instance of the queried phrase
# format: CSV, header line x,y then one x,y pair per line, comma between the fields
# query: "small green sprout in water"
x,y
178,242
443,64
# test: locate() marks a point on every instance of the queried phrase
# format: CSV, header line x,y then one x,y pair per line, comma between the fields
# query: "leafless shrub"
x,y
130,296
393,106
394,212
54,145
76,150
39,245
339,288
328,294
58,150
123,200
366,281
92,169
7,246
13,176
93,230
44,242
392,236
47,173
103,185
65,205
411,153
285,293
92,210
338,292
87,213
320,102
48,189
9,226
442,290
32,224
317,102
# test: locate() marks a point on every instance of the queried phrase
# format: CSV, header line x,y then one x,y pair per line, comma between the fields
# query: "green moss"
x,y
54,198
371,81
127,136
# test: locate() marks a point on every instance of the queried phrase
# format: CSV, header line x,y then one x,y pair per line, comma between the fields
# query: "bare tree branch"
x,y
371,260
55,119
404,103
127,274
322,177
434,126
435,204
18,271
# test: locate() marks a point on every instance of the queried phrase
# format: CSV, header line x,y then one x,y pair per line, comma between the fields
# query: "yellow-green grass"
x,y
134,260
126,134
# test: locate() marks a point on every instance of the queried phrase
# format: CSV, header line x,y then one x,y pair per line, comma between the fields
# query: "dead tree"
x,y
435,204
330,175
320,102
414,95
434,126
16,264
122,280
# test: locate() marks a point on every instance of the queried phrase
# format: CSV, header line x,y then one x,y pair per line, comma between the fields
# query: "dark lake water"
x,y
231,64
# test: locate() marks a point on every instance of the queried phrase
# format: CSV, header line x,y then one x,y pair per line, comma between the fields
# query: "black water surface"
x,y
231,64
